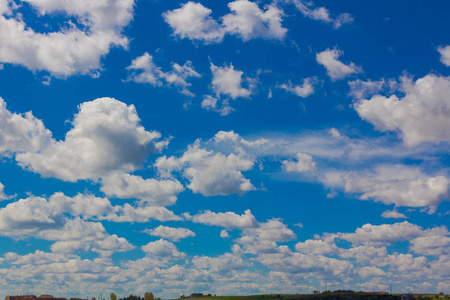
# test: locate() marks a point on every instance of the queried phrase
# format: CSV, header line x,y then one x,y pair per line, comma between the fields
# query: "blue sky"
x,y
225,147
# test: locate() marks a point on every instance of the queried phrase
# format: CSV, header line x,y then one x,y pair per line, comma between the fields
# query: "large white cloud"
x,y
144,70
399,185
73,49
335,68
382,235
422,115
106,136
246,20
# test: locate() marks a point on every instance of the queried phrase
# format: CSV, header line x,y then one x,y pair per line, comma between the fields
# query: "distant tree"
x,y
113,296
93,298
149,296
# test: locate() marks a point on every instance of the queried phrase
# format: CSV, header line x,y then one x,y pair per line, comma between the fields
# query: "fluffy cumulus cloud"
x,y
229,220
21,132
263,237
106,136
151,191
399,185
422,115
227,83
335,68
73,48
382,235
246,20
322,14
302,90
163,249
144,70
170,233
210,173
445,55
193,21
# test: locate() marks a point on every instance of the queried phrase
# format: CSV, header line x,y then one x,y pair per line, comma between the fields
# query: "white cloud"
x,y
382,235
210,173
304,163
140,214
224,234
163,249
227,84
248,21
394,214
228,81
422,115
370,271
229,220
321,13
315,247
335,68
144,70
223,264
193,21
152,191
44,219
445,55
37,258
21,132
106,136
304,90
170,233
431,245
71,50
263,238
297,263
399,185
